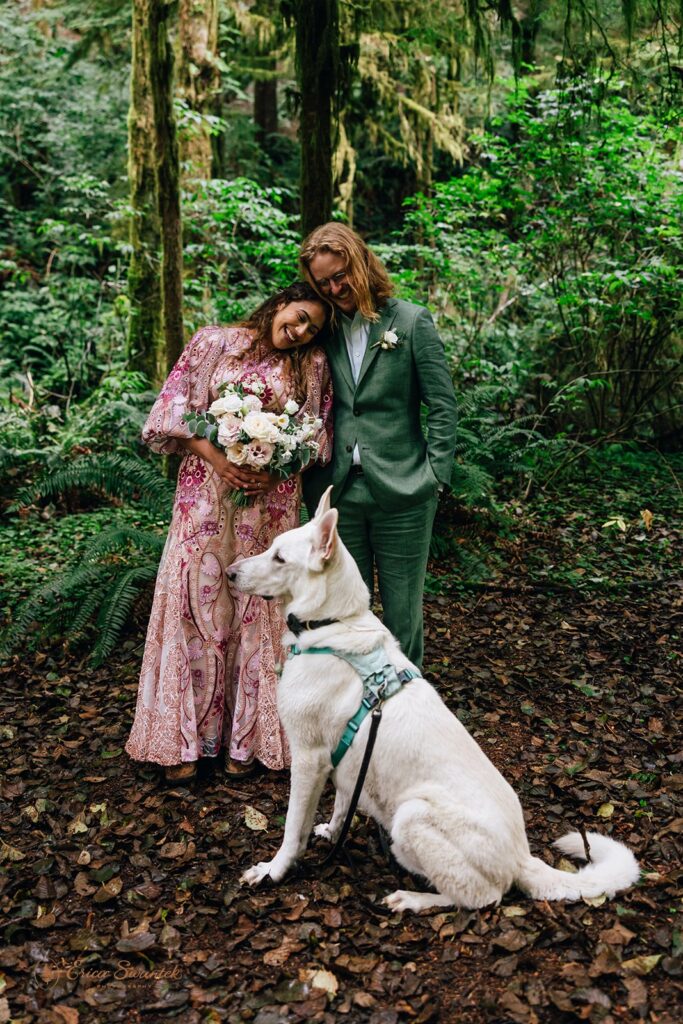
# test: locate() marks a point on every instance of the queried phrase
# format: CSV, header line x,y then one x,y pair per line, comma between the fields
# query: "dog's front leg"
x,y
309,773
331,829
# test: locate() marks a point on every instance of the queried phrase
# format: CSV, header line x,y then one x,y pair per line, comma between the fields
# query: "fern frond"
x,y
117,607
120,536
471,564
86,610
471,483
43,603
117,476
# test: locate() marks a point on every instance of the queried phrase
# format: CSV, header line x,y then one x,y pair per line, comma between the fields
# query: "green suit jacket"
x,y
381,413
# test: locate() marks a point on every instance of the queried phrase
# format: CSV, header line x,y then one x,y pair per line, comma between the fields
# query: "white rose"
x,y
390,337
291,407
251,403
258,426
227,404
229,430
237,453
259,453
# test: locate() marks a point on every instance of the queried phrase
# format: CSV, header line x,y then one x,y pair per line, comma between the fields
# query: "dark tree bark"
x,y
529,21
146,346
317,49
167,177
265,107
198,79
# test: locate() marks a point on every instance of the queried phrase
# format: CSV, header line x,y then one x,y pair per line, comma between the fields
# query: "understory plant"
x,y
94,597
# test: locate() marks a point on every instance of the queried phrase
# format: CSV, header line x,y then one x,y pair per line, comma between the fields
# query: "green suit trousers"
x,y
397,545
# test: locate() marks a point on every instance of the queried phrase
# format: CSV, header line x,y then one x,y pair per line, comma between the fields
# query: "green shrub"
x,y
560,251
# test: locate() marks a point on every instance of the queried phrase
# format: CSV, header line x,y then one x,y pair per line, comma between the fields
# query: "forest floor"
x,y
120,897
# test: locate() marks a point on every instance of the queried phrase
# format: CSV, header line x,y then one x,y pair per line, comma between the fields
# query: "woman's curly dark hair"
x,y
261,322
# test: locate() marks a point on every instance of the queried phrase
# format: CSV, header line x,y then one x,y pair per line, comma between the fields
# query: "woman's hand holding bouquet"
x,y
251,438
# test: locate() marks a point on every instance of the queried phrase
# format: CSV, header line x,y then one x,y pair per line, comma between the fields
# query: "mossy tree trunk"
x,y
167,176
198,81
317,50
146,345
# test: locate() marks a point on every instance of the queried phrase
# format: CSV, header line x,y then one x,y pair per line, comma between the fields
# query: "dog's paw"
x,y
324,832
257,873
402,899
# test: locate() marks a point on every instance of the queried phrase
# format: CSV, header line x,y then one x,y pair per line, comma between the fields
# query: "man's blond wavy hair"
x,y
365,272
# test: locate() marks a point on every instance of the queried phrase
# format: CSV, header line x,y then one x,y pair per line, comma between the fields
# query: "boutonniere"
x,y
389,341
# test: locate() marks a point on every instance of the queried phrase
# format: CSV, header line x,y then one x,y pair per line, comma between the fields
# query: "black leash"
x,y
372,736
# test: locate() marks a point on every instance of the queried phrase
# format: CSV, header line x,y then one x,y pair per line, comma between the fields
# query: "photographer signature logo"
x,y
81,970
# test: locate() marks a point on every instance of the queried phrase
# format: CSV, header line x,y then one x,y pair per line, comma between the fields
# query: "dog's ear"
x,y
324,503
326,536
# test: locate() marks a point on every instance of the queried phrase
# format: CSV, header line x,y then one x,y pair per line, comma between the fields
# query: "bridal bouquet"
x,y
237,424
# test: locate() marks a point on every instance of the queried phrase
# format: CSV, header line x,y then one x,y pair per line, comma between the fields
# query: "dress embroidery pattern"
x,y
208,671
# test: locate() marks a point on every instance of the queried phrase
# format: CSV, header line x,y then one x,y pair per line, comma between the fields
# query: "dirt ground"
x,y
120,898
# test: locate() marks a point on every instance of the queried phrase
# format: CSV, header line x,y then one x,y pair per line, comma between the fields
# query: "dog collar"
x,y
297,626
380,681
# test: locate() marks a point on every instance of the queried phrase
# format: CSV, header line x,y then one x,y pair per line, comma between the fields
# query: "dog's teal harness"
x,y
380,682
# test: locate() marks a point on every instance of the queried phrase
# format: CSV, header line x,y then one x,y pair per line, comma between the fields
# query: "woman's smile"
x,y
297,323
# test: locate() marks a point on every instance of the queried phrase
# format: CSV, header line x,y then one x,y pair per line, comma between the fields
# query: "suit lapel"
x,y
386,319
337,353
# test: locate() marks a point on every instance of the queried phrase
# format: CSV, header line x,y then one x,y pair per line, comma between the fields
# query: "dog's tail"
x,y
612,868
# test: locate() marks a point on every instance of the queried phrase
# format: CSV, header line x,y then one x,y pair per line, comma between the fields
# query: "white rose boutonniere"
x,y
389,341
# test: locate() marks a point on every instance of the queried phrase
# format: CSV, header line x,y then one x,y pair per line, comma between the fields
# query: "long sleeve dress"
x,y
208,674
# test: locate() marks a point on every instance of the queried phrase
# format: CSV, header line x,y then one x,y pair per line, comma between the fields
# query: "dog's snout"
x,y
232,575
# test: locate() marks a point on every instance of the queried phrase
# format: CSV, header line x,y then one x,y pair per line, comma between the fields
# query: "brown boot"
x,y
239,769
180,772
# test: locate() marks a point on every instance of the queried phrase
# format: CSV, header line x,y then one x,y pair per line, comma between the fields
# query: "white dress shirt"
x,y
356,334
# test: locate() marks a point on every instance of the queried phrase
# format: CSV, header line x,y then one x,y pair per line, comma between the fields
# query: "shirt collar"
x,y
356,319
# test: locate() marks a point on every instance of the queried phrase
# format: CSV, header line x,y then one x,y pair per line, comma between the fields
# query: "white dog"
x,y
451,816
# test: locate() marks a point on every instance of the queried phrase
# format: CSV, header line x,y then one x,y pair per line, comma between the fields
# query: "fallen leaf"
x,y
605,810
637,993
44,920
135,941
642,965
108,891
68,1014
324,980
357,964
10,853
617,935
82,885
77,824
172,851
254,820
278,957
364,999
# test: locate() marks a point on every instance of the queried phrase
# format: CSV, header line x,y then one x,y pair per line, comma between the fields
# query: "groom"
x,y
386,360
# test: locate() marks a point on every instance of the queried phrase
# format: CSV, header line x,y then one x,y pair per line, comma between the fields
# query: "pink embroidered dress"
x,y
208,672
